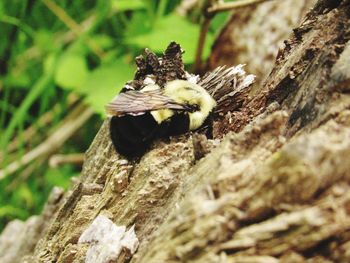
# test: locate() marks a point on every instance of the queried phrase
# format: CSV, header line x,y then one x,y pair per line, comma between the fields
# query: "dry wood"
x,y
255,34
274,189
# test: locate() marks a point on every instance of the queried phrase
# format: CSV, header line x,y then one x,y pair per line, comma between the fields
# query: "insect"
x,y
140,117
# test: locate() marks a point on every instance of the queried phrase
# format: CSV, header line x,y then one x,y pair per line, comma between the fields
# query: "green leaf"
x,y
71,71
12,211
25,195
44,40
49,62
124,5
43,82
78,47
139,24
218,21
59,176
105,82
103,41
15,79
2,9
173,28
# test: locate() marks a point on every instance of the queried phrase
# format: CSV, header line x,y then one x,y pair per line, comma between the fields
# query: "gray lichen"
x,y
106,240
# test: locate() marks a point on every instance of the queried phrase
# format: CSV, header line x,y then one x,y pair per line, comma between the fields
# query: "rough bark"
x,y
274,189
254,35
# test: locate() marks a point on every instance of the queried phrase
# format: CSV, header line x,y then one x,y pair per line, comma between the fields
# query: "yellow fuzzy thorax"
x,y
185,92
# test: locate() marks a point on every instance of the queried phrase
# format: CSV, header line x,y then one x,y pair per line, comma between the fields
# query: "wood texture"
x,y
274,189
255,34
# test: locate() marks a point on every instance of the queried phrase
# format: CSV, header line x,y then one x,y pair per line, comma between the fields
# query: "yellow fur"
x,y
185,92
161,115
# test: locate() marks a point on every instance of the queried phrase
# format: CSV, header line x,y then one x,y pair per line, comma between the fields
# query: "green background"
x,y
57,55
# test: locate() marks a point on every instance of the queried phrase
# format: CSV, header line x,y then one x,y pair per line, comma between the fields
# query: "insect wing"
x,y
138,102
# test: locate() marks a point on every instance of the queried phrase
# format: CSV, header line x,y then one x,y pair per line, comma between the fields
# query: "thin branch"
x,y
45,119
64,38
24,175
201,43
59,159
70,124
220,7
71,24
19,23
209,13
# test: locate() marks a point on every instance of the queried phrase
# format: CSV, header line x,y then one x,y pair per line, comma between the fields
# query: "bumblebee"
x,y
140,117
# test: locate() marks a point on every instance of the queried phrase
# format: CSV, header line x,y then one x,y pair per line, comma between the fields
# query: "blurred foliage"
x,y
53,51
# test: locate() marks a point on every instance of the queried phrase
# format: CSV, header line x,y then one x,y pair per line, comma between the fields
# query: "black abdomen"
x,y
132,135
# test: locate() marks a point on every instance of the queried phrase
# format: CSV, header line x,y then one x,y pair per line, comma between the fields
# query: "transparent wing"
x,y
137,102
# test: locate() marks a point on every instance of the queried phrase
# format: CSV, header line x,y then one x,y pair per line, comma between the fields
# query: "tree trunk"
x,y
275,189
254,35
